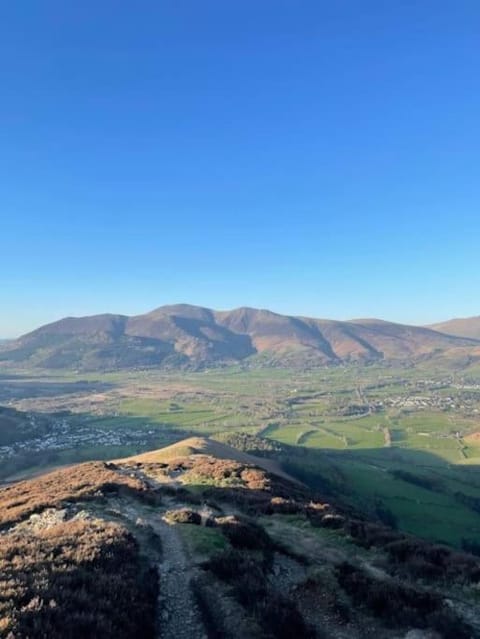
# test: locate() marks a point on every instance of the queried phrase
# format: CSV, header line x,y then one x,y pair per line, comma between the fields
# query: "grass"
x,y
202,541
297,534
432,515
194,416
306,410
432,431
321,439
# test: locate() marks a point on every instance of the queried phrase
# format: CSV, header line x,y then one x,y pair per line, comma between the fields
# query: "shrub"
x,y
367,534
284,506
399,605
277,616
243,533
439,561
282,618
228,564
76,579
183,516
331,521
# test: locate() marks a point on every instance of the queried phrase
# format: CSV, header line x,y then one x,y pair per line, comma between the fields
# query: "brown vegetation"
x,y
248,579
82,577
183,516
245,533
417,558
400,605
76,579
82,482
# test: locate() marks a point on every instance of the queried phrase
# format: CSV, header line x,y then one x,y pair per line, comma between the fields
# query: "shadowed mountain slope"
x,y
195,337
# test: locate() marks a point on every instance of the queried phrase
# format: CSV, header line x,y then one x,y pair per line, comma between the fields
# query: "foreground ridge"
x,y
182,542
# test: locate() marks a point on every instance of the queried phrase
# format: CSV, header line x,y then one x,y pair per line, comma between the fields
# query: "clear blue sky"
x,y
311,157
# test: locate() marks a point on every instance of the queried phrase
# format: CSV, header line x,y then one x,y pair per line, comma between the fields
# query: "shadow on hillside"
x,y
379,458
10,376
416,491
17,387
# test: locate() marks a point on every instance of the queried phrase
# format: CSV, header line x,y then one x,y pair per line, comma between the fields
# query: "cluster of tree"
x,y
248,443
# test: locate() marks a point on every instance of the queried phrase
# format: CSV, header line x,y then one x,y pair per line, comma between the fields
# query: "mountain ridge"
x,y
184,335
460,327
198,540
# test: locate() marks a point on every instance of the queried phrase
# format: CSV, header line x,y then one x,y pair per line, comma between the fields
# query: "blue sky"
x,y
311,157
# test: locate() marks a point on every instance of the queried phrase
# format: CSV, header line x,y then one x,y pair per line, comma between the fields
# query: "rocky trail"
x,y
179,616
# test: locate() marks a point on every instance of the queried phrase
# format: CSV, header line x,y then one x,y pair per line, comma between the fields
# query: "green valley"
x,y
399,443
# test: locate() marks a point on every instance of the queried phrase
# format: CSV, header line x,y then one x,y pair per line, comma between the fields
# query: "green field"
x,y
349,427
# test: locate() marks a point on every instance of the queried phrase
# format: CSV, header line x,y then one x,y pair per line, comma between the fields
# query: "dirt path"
x,y
179,616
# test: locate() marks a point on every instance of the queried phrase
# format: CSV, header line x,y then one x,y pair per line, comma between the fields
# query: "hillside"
x,y
209,447
468,327
184,543
195,337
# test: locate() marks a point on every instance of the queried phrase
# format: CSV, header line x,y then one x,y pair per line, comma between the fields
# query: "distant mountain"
x,y
460,327
195,337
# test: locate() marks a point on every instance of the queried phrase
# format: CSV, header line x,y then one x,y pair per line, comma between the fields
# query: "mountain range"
x,y
187,336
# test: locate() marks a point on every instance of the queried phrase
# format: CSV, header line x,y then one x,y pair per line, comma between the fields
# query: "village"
x,y
64,434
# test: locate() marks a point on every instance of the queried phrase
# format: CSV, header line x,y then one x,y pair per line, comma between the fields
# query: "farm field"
x,y
399,442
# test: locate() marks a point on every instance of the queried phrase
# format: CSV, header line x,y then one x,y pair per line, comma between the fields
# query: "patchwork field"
x,y
402,443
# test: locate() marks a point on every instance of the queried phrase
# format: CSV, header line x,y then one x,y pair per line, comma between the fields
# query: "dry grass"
x,y
210,448
80,482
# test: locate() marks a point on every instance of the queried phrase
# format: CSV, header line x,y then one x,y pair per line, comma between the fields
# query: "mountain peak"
x,y
194,336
